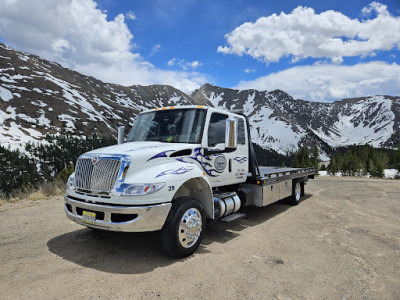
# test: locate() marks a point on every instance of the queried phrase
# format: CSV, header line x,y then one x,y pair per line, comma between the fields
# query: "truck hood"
x,y
141,153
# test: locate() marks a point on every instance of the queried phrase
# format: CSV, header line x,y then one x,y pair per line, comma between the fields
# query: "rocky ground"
x,y
341,242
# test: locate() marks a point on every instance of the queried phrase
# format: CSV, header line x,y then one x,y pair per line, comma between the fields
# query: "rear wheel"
x,y
296,193
184,227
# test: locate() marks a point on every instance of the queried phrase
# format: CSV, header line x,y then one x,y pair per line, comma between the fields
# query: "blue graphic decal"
x,y
241,159
202,160
210,171
179,171
161,154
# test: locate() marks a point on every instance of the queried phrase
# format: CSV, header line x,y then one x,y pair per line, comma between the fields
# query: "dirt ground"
x,y
341,242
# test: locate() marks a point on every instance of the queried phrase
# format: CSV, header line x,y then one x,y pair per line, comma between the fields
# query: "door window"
x,y
216,129
241,137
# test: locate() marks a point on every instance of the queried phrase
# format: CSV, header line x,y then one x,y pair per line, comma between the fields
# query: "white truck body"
x,y
174,184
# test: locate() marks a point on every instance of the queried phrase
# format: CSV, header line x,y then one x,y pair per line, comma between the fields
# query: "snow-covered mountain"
x,y
38,97
283,123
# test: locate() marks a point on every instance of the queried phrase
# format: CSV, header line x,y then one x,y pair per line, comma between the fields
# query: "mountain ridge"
x,y
39,97
275,115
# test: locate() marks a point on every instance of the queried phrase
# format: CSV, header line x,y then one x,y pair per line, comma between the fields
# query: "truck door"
x,y
226,168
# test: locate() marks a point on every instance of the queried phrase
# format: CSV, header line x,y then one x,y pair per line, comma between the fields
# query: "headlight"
x,y
71,181
142,189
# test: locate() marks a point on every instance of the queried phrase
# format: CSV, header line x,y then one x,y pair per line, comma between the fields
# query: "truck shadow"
x,y
112,252
135,253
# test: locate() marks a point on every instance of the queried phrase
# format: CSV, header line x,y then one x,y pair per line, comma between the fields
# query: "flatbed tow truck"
x,y
179,168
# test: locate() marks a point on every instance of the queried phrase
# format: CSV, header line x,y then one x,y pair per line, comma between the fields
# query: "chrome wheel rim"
x,y
190,227
297,191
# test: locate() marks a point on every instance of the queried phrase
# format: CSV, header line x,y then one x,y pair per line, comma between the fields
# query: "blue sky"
x,y
193,30
314,50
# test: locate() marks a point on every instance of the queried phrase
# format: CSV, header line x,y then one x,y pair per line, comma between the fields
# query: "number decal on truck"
x,y
171,188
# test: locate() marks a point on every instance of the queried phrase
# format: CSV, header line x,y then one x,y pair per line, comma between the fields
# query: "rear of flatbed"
x,y
273,184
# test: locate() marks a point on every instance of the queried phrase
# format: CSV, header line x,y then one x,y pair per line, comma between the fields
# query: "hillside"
x,y
282,123
39,97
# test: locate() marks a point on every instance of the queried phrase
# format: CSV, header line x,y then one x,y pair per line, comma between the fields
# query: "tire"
x,y
297,192
184,228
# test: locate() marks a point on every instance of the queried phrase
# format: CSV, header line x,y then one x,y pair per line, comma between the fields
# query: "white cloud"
x,y
185,65
155,49
327,82
171,62
78,35
375,6
304,33
248,70
194,64
131,15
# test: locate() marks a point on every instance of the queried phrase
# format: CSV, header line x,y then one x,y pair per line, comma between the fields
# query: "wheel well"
x,y
198,189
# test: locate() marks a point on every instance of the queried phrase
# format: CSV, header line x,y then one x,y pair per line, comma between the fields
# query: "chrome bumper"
x,y
119,218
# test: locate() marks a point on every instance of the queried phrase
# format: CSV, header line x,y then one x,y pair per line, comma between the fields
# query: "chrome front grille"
x,y
96,176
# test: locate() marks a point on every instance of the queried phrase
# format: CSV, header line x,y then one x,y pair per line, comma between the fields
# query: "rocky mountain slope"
x,y
39,97
282,123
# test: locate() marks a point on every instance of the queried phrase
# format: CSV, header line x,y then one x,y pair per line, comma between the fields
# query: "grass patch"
x,y
44,192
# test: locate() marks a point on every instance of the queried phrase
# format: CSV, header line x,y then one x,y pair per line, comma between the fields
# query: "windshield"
x,y
172,125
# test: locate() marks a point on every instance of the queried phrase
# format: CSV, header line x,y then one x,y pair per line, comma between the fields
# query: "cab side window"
x,y
216,129
241,137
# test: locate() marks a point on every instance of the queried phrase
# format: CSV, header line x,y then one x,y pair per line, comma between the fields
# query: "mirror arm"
x,y
229,150
208,151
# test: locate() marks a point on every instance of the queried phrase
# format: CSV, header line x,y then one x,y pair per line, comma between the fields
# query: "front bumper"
x,y
118,217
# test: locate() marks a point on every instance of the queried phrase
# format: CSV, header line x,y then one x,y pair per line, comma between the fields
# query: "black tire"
x,y
297,192
177,241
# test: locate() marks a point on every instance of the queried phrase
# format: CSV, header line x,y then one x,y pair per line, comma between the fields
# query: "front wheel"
x,y
183,230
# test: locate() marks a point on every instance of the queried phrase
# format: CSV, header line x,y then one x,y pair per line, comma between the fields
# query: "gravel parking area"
x,y
341,242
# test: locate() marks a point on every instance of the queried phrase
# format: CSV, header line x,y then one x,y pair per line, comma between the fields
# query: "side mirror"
x,y
230,135
121,133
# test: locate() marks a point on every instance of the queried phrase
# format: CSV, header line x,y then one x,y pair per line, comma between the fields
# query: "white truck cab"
x,y
178,168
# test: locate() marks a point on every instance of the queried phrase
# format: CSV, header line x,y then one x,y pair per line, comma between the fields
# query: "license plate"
x,y
88,217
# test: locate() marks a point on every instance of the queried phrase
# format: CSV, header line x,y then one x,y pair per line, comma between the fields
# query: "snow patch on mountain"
x,y
215,99
370,121
249,104
17,136
5,94
68,120
273,133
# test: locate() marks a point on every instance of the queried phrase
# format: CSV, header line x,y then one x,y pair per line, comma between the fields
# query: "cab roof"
x,y
194,107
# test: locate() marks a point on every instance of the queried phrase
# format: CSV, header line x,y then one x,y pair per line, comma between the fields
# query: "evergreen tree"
x,y
334,165
296,162
301,158
315,160
46,162
397,160
305,157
